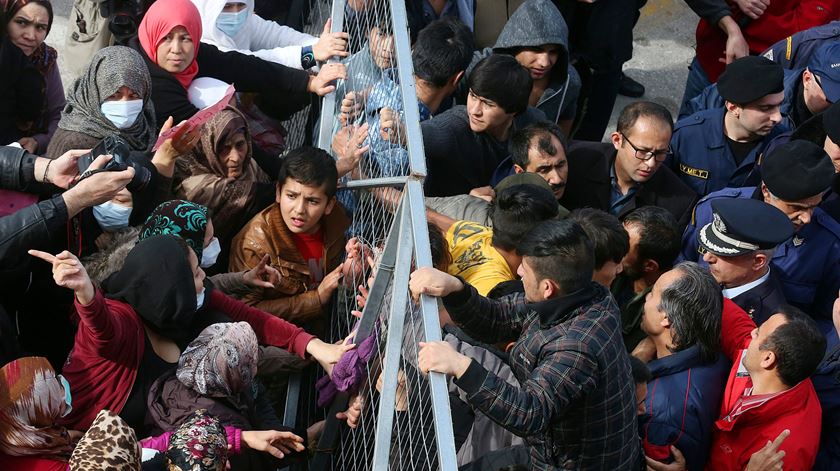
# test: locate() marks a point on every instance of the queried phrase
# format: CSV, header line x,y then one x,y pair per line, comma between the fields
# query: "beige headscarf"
x,y
202,176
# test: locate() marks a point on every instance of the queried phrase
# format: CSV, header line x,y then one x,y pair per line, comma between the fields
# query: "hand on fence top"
x,y
330,44
433,282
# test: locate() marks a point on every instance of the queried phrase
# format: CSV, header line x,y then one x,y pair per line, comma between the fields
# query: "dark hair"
x,y
641,372
659,235
381,19
632,112
560,250
15,7
443,49
502,80
309,166
694,305
441,256
517,210
798,344
609,239
523,139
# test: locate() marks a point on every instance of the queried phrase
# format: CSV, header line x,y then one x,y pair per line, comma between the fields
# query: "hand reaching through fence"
x,y
278,444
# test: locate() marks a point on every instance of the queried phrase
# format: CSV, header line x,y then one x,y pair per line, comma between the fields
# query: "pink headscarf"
x,y
163,16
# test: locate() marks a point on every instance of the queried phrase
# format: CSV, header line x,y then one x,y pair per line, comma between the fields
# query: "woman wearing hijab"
x,y
111,97
206,430
29,23
217,372
168,38
234,26
134,328
222,175
191,222
21,89
32,399
108,440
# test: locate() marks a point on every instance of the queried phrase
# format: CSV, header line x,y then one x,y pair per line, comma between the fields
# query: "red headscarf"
x,y
163,16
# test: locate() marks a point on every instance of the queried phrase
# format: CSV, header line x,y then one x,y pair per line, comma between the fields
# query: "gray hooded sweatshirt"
x,y
537,23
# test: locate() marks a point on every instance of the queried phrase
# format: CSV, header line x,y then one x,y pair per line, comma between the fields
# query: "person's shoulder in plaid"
x,y
576,403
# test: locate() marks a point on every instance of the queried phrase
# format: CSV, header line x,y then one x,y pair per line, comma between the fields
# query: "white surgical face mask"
x,y
122,113
112,216
199,299
210,253
230,23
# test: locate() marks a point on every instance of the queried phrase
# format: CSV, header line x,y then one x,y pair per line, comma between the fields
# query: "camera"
x,y
121,160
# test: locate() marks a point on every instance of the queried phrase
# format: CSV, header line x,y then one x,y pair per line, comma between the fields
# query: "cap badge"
x,y
719,225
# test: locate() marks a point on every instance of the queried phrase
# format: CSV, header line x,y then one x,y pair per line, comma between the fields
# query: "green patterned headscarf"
x,y
181,218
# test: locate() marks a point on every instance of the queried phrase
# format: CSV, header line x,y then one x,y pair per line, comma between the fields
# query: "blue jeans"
x,y
695,83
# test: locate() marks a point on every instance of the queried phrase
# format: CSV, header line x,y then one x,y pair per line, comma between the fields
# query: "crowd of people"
x,y
667,298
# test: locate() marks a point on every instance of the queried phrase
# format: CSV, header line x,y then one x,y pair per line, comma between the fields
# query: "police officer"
x,y
718,148
808,91
794,178
739,244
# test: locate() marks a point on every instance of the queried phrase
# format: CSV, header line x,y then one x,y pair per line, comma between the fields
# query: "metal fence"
x,y
405,422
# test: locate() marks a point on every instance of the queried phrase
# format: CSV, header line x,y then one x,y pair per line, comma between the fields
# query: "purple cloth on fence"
x,y
348,373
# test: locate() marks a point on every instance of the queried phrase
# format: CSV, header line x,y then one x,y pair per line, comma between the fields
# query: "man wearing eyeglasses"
x,y
627,173
719,147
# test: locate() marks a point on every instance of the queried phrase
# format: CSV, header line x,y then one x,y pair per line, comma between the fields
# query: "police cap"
x,y
797,170
742,226
749,79
831,122
825,64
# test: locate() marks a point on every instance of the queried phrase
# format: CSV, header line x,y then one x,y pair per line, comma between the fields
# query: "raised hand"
x,y
353,412
348,146
263,275
69,273
391,127
330,44
330,282
769,457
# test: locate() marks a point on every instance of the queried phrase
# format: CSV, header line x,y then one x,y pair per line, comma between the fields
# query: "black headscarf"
x,y
156,280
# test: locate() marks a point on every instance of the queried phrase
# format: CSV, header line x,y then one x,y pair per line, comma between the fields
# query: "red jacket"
x,y
781,19
747,423
102,365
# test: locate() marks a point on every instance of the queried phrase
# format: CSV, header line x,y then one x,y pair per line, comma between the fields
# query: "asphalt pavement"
x,y
662,49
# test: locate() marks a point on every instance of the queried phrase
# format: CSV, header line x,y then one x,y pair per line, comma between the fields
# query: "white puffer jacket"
x,y
258,37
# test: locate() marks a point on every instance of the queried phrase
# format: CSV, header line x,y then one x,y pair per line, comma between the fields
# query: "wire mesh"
x,y
364,125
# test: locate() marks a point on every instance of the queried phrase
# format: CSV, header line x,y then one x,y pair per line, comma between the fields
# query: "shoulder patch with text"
x,y
694,172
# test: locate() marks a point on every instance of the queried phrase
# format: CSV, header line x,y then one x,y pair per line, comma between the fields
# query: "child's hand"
x,y
330,282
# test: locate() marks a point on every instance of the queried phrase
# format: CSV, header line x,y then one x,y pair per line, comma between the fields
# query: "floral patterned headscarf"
x,y
109,444
181,218
199,444
32,399
222,362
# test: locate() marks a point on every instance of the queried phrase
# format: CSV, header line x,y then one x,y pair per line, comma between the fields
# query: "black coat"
x,y
762,301
589,184
246,73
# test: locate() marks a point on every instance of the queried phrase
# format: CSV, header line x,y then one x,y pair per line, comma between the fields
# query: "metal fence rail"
x,y
405,422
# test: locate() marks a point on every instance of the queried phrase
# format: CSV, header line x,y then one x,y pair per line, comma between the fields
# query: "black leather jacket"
x,y
31,227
